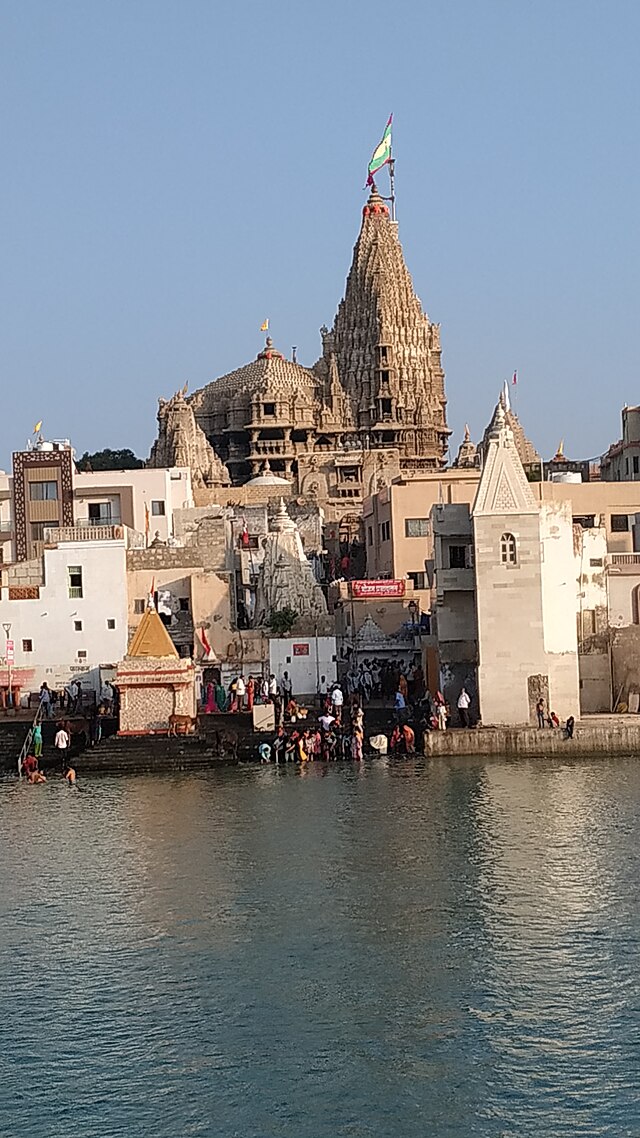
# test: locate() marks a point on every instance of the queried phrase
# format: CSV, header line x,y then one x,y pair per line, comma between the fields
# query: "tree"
x,y
282,621
109,460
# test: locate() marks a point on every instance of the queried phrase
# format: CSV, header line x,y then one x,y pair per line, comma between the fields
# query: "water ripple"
x,y
398,949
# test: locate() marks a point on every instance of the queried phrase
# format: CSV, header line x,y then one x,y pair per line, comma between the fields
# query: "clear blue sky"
x,y
173,172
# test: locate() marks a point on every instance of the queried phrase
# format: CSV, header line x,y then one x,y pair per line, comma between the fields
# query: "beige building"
x,y
397,526
622,460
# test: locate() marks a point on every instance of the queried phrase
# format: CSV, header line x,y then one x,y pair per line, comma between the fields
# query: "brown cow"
x,y
181,725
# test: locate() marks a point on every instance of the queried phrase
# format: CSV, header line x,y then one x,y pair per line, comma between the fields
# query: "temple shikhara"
x,y
372,408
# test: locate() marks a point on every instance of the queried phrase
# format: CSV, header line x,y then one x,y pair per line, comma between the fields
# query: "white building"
x,y
144,500
66,612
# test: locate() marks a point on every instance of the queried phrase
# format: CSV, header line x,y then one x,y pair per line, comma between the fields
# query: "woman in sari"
x,y
220,698
210,702
250,693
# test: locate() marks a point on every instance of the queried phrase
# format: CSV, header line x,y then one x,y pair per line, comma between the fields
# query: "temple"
x,y
370,409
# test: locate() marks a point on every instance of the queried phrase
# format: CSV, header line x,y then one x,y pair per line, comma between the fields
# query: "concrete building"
x,y
454,601
622,461
66,610
397,527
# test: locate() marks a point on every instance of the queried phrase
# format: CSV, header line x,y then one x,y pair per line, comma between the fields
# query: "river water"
x,y
392,950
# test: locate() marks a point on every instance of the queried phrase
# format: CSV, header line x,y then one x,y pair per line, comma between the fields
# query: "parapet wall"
x,y
616,738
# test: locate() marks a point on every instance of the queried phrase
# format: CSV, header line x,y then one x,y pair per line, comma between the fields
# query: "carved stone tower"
x,y
386,350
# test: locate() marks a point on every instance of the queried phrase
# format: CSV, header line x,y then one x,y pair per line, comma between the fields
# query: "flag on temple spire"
x,y
382,153
515,378
264,327
38,427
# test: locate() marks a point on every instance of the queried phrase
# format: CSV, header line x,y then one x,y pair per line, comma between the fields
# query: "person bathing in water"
x,y
70,776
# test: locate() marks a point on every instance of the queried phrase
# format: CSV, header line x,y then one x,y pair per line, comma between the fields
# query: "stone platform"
x,y
606,735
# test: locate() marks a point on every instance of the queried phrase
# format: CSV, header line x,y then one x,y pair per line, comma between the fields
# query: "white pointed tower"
x,y
525,591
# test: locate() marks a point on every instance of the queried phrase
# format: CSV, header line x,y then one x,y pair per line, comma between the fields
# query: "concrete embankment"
x,y
228,740
608,735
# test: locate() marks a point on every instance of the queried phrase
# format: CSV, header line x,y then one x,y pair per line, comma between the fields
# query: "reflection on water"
x,y
440,950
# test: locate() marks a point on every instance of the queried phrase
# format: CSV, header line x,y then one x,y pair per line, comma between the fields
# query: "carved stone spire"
x,y
286,578
386,347
181,442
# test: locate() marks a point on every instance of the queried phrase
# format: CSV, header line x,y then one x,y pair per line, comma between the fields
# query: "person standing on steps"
x,y
37,741
464,702
62,745
540,712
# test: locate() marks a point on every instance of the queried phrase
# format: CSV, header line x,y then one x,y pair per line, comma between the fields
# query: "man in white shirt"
x,y
337,700
273,687
464,702
326,721
240,692
62,743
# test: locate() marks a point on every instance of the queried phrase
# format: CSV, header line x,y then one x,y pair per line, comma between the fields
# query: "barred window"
x,y
508,549
416,527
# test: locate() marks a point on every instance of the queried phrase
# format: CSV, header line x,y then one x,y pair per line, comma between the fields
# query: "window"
x,y
369,535
595,562
508,549
100,513
111,624
75,580
27,645
349,473
419,580
587,521
636,464
139,606
384,376
626,466
77,626
269,408
43,491
385,531
385,405
184,604
416,527
619,523
82,655
457,556
157,509
38,528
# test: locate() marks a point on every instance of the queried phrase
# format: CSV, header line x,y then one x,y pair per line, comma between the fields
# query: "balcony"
x,y
626,564
56,535
454,580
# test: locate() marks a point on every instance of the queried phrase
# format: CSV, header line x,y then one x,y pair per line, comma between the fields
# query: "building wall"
x,y
48,621
527,643
601,499
207,594
130,491
304,670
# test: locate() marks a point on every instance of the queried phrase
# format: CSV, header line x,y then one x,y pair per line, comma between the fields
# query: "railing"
x,y
26,746
57,534
615,559
112,520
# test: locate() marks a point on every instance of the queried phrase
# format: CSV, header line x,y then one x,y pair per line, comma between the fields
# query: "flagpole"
x,y
392,181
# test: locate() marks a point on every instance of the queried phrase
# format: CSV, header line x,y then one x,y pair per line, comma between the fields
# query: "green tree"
x,y
109,460
282,621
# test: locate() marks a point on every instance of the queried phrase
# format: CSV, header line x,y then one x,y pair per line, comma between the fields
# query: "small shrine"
x,y
157,686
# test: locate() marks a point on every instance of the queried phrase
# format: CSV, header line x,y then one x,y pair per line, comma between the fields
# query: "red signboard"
x,y
381,588
301,649
10,652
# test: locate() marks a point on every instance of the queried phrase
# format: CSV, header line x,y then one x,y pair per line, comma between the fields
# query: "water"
x,y
402,950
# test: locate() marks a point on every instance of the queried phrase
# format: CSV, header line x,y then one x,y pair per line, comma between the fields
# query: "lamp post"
x,y
7,631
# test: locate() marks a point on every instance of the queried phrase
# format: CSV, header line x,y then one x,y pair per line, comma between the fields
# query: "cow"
x,y
181,725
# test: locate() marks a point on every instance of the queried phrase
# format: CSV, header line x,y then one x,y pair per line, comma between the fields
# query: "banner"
x,y
381,588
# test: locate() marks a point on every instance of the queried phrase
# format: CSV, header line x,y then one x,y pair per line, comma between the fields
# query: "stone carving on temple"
x,y
286,578
181,442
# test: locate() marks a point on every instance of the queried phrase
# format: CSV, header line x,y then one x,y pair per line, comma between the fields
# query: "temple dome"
x,y
269,372
268,478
